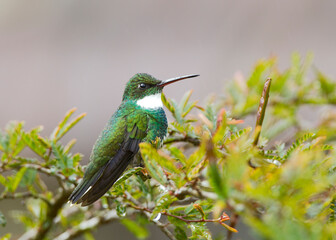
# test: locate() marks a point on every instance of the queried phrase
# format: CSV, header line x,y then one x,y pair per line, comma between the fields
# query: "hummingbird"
x,y
139,118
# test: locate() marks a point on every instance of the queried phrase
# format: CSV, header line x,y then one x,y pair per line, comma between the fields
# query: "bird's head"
x,y
143,85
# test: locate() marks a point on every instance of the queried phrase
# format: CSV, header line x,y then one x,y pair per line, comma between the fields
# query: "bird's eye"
x,y
142,85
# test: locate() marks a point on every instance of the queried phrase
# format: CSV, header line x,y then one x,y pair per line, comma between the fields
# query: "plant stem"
x,y
234,220
25,195
194,141
89,224
52,212
219,220
262,110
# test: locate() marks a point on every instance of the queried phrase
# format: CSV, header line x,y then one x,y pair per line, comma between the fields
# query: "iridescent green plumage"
x,y
139,118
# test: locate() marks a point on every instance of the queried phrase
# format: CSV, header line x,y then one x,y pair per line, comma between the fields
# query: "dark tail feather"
x,y
115,167
90,191
84,186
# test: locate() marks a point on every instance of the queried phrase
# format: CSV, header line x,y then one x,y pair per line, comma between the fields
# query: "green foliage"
x,y
276,176
3,221
139,231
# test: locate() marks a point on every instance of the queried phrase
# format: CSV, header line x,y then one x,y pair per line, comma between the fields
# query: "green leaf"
x,y
167,104
258,75
139,231
3,221
130,172
184,105
64,126
199,231
3,180
17,179
195,162
332,217
177,114
236,135
32,139
177,154
162,204
28,178
200,210
6,237
88,236
121,210
221,130
180,234
326,85
216,181
69,146
298,143
16,143
148,154
63,159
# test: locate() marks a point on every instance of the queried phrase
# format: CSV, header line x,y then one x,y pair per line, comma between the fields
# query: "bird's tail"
x,y
84,186
90,190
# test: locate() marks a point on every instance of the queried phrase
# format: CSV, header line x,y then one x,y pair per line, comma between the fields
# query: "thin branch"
x,y
52,212
192,140
220,220
89,224
25,195
194,220
260,115
234,221
148,212
262,110
44,170
162,226
199,194
43,228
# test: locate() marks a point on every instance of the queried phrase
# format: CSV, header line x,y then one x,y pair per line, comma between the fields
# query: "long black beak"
x,y
172,80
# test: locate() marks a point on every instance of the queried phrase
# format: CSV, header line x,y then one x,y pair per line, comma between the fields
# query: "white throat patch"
x,y
151,102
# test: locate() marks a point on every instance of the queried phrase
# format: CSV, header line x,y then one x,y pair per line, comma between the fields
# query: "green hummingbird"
x,y
139,118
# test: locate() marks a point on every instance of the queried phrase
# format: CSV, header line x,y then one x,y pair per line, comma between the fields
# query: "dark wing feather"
x,y
112,170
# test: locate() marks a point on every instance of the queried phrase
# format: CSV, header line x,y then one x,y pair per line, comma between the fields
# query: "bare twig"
x,y
234,221
52,212
148,212
261,110
192,140
261,114
199,194
43,228
25,195
42,169
221,219
89,224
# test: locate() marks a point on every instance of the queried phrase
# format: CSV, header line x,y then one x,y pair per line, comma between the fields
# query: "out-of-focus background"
x,y
55,55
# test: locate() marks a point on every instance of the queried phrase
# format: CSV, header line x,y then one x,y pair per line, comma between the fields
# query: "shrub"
x,y
213,167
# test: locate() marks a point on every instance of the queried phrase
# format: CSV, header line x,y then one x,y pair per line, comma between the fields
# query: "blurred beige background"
x,y
55,55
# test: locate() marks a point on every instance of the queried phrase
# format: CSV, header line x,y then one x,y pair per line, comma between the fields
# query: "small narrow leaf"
x,y
180,233
6,237
62,123
231,229
162,204
138,230
167,104
3,221
17,179
148,154
200,210
126,175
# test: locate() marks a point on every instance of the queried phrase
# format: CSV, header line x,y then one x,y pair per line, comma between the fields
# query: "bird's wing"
x,y
95,187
